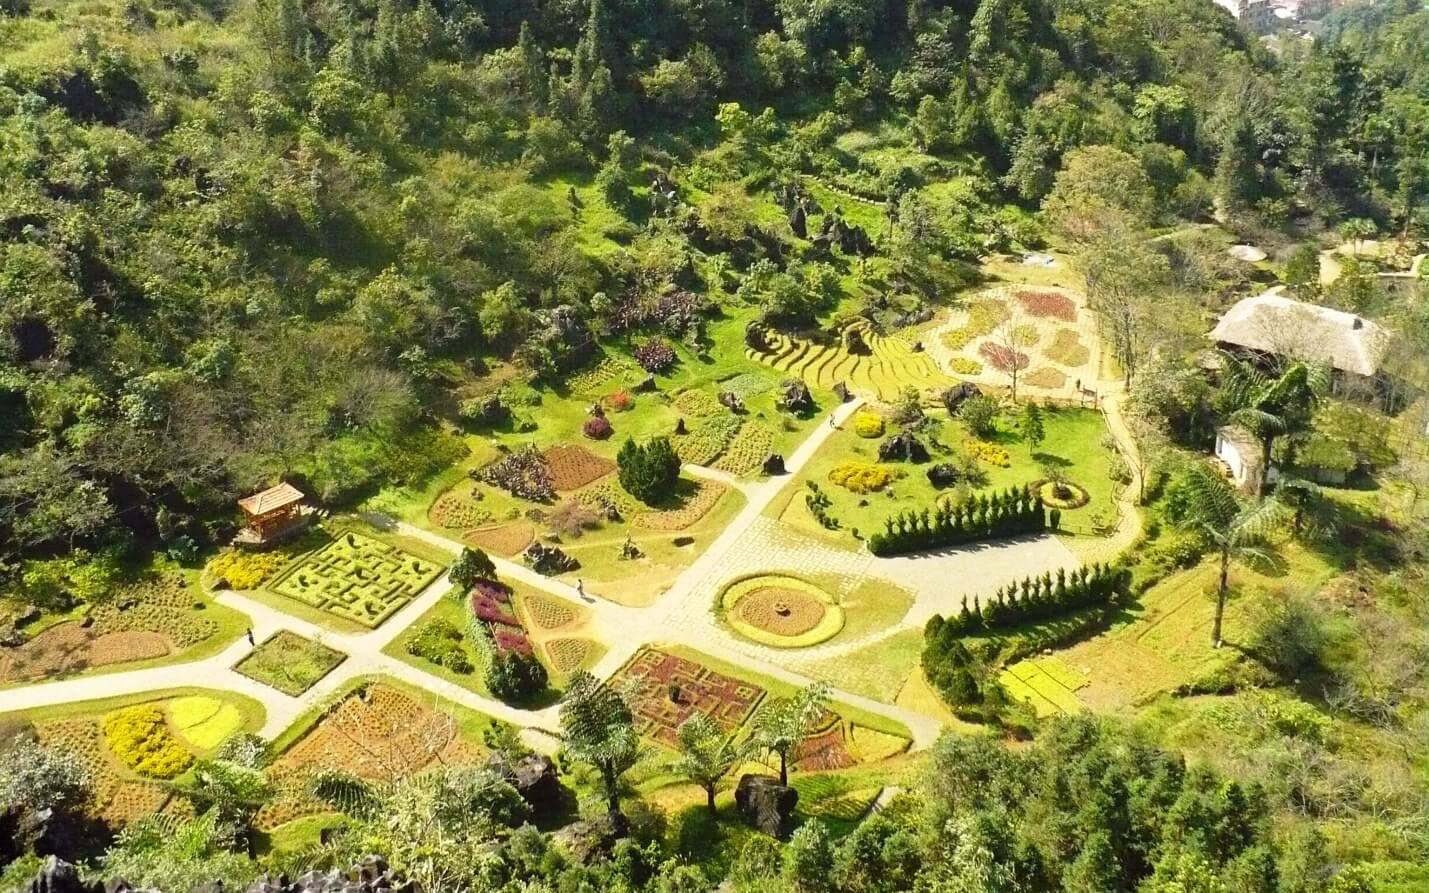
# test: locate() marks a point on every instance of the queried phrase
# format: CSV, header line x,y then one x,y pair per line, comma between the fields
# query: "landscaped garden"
x,y
378,731
674,685
290,663
161,616
357,578
130,747
859,490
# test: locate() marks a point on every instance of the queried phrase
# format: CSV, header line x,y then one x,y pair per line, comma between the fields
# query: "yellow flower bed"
x,y
140,738
204,722
245,570
868,424
965,366
862,477
990,453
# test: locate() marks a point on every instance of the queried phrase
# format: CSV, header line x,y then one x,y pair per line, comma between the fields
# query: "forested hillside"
x,y
347,244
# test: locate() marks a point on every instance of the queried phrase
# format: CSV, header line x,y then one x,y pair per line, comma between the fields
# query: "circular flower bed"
x,y
781,611
1074,496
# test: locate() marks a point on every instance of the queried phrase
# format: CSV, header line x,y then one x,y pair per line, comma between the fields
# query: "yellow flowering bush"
x,y
140,738
965,366
245,570
868,424
990,453
862,477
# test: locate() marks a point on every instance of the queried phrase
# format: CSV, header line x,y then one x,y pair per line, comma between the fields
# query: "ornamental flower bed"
x,y
697,689
524,474
491,603
1047,304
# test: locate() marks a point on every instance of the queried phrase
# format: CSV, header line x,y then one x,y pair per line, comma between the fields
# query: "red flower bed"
x,y
1004,359
493,590
1048,304
511,641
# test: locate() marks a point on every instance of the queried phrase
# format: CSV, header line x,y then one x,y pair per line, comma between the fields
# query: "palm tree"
x,y
707,754
1311,514
782,725
599,727
1236,528
1269,407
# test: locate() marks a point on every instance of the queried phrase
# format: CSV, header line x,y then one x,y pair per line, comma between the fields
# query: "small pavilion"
x,y
272,513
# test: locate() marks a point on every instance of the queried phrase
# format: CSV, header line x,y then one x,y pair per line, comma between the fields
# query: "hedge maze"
x,y
358,578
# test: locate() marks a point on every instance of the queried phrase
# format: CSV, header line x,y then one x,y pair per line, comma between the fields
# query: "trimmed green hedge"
x,y
1010,512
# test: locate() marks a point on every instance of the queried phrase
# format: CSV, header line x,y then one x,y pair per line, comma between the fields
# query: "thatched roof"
x,y
271,500
1272,323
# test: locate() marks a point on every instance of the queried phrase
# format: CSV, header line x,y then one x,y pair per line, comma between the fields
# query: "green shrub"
x,y
440,642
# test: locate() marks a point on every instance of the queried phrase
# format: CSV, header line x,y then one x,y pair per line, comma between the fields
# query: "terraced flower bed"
x,y
697,404
781,611
358,578
141,621
1046,377
706,496
378,733
573,467
115,796
1046,684
672,689
889,366
290,663
599,377
139,736
824,749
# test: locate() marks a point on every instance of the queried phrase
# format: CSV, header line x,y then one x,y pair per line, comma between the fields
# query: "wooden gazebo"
x,y
273,513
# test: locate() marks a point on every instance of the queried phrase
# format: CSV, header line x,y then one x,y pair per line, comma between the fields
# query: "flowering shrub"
x,y
597,428
655,355
965,366
868,424
511,641
620,401
990,453
861,477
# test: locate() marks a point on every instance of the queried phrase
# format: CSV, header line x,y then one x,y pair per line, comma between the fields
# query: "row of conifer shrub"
x,y
1035,598
1009,512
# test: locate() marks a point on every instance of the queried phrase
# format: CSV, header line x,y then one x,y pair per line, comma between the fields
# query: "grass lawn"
x,y
1164,640
290,663
1073,441
877,671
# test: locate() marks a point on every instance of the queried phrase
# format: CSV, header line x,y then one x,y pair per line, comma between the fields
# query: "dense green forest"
x,y
244,241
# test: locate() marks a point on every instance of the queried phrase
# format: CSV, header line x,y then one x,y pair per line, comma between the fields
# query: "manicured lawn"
x,y
879,670
290,663
1073,441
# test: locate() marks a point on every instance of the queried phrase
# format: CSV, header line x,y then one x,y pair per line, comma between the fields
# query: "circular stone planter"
x,y
781,611
1077,497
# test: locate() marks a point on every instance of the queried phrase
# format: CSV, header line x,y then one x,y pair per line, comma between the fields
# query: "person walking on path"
x,y
249,633
580,590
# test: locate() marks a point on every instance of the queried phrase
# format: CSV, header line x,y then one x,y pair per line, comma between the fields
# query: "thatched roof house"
x,y
1273,324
